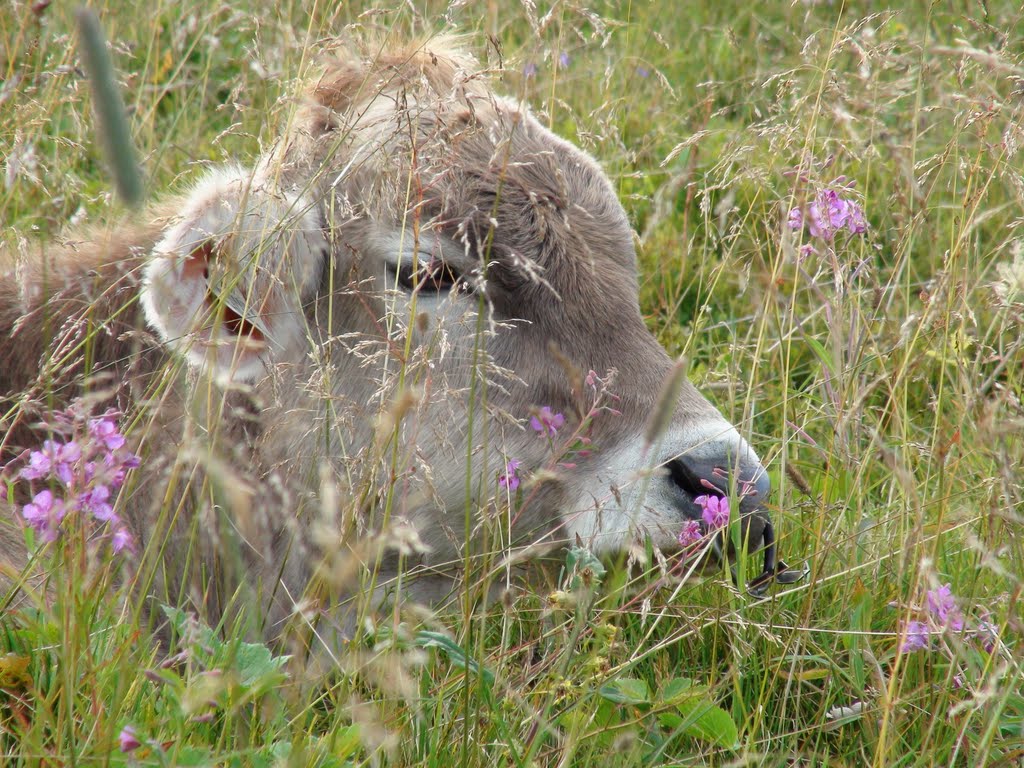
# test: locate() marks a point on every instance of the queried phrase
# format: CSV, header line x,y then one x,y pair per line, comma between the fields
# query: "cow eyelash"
x,y
432,276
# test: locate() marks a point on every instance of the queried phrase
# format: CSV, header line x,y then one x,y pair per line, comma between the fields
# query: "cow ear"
x,y
226,283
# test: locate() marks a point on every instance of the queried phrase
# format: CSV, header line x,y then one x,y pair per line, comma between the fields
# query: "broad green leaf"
x,y
679,688
186,625
579,560
626,690
602,726
345,742
823,356
257,666
274,755
1012,726
670,719
193,757
708,722
807,675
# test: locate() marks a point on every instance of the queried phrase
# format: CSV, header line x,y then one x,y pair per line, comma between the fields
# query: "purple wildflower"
x,y
917,638
796,219
987,634
855,221
942,614
105,431
39,464
690,534
715,510
89,468
69,453
95,502
547,422
44,514
510,479
121,540
563,60
127,741
834,212
817,222
54,459
530,69
941,602
942,606
116,466
64,458
827,214
643,71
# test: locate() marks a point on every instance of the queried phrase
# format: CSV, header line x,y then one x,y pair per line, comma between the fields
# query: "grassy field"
x,y
879,375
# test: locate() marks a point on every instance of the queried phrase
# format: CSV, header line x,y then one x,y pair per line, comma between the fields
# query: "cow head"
x,y
415,233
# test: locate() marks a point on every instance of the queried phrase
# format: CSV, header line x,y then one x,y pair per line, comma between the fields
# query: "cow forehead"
x,y
527,201
421,130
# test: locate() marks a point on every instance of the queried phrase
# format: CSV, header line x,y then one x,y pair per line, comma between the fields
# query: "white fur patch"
x,y
629,496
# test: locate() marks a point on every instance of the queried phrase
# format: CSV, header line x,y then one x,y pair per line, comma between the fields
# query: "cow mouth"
x,y
773,570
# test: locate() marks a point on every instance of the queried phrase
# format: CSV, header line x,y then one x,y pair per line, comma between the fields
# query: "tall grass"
x,y
879,376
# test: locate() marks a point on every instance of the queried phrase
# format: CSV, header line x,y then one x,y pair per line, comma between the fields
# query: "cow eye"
x,y
432,276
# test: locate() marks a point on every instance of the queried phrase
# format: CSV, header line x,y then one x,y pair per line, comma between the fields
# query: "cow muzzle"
x,y
695,478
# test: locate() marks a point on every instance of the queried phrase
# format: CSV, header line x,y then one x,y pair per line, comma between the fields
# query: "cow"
x,y
339,361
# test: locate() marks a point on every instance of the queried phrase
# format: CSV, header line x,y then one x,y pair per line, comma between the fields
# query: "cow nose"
x,y
697,477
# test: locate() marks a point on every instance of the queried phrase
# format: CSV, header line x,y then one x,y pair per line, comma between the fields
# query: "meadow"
x,y
877,367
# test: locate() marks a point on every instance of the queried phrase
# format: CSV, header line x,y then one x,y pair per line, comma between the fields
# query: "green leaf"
x,y
186,625
706,721
823,356
317,754
604,724
1011,725
108,104
257,666
276,754
193,757
427,639
580,560
670,721
678,689
626,690
345,742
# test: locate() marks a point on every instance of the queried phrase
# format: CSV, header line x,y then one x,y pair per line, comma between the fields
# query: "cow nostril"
x,y
687,478
760,486
698,478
